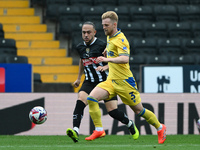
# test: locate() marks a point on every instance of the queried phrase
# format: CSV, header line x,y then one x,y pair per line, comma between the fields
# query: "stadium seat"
x,y
122,12
197,60
63,2
81,2
100,32
38,52
25,28
170,46
132,29
14,4
76,39
56,69
145,46
92,13
153,2
165,13
52,9
141,13
183,60
37,44
17,59
52,12
155,29
129,2
192,46
157,59
17,11
38,2
180,29
177,2
2,59
194,2
29,36
136,61
37,78
69,28
195,29
20,19
1,31
50,60
105,2
70,13
8,46
189,13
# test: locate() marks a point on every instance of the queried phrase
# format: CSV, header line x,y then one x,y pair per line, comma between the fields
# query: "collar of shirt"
x,y
92,41
118,32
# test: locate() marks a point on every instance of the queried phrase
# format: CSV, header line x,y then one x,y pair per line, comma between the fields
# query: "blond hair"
x,y
110,14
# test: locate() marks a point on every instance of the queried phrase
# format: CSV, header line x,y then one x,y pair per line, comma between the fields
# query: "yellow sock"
x,y
94,111
150,117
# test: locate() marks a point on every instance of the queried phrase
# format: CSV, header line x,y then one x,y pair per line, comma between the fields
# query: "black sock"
x,y
119,115
78,113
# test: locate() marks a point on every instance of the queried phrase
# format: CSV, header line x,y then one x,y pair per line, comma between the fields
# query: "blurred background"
x,y
38,39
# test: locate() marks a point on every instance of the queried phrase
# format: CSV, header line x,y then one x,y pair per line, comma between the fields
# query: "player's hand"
x,y
100,59
77,83
104,52
100,68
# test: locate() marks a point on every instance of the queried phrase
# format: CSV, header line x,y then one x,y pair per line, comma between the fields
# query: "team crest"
x,y
87,50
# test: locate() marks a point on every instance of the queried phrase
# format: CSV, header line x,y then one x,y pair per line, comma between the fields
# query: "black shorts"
x,y
88,86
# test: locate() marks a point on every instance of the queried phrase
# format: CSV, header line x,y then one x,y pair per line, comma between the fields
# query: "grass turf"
x,y
110,142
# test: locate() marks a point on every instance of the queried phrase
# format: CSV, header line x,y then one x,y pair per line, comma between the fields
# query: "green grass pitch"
x,y
110,142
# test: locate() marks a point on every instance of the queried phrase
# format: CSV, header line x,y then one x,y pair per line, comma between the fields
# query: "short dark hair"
x,y
90,23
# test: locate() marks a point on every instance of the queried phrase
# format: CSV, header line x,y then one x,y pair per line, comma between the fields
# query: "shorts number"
x,y
132,96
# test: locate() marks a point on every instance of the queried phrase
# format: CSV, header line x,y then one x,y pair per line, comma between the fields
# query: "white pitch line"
x,y
93,146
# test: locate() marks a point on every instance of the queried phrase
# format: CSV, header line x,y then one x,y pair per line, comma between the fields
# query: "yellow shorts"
x,y
126,89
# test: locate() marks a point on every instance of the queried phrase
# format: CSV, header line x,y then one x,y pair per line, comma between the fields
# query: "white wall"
x,y
60,107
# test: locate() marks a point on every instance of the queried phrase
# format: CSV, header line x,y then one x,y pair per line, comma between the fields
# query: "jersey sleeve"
x,y
123,46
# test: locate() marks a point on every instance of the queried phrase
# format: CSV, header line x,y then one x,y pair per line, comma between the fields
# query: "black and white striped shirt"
x,y
88,54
